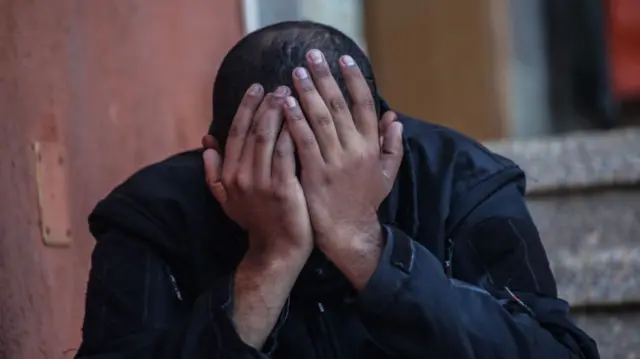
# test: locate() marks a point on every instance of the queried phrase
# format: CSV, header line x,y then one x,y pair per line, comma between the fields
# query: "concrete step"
x,y
616,333
592,241
584,194
579,161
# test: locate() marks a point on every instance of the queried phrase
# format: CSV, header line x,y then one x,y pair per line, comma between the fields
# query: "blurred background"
x,y
90,91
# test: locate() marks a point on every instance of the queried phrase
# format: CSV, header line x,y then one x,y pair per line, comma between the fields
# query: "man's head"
x,y
269,56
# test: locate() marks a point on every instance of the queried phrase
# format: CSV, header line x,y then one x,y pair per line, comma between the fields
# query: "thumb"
x,y
213,174
392,150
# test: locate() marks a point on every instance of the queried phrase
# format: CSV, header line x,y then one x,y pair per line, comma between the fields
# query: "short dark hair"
x,y
269,55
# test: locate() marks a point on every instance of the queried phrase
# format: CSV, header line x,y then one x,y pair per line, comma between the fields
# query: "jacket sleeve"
x,y
134,309
414,310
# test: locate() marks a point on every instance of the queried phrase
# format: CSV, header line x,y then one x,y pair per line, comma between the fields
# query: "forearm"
x,y
262,284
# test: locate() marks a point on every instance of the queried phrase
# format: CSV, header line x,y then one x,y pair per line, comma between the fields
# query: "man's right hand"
x,y
256,182
257,187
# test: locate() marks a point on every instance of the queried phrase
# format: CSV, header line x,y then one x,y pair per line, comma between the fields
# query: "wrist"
x,y
351,237
266,257
357,256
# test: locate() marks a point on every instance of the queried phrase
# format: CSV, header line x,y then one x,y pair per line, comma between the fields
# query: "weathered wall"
x,y
116,84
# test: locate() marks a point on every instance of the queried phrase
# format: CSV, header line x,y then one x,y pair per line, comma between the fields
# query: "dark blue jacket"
x,y
463,274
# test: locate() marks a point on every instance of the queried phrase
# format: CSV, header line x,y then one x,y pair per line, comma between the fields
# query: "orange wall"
x,y
444,61
115,84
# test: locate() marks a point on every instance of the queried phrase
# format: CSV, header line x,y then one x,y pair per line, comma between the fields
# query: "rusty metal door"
x,y
89,92
624,47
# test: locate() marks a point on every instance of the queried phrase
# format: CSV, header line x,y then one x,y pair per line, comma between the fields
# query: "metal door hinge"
x,y
53,194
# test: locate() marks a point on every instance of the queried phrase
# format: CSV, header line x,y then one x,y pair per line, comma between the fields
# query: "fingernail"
x,y
277,99
301,73
290,102
282,90
255,89
315,56
347,61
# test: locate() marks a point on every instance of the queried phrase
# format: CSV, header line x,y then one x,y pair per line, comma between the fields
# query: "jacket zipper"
x,y
448,260
326,350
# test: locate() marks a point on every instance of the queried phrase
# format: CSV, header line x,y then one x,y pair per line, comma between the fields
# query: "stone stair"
x,y
584,194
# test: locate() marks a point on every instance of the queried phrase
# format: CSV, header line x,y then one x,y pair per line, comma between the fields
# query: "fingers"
x,y
331,95
392,148
263,135
387,119
208,141
239,128
284,163
307,146
213,174
364,109
317,112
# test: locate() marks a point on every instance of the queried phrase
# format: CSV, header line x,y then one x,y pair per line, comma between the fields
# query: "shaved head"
x,y
269,55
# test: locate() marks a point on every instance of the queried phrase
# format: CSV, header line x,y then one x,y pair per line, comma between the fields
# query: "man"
x,y
327,227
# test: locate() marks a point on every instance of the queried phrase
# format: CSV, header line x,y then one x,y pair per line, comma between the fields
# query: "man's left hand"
x,y
349,159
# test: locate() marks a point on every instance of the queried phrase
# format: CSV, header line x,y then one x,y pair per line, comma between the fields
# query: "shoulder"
x,y
159,203
166,209
453,171
176,178
436,139
446,153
